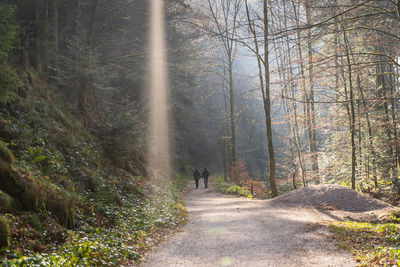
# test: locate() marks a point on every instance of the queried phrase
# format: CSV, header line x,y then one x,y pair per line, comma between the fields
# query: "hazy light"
x,y
217,230
227,261
214,219
159,151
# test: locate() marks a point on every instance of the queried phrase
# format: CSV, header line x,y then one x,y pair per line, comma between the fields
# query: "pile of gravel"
x,y
333,196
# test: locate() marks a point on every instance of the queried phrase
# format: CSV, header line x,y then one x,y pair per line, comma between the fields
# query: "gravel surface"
x,y
336,196
230,231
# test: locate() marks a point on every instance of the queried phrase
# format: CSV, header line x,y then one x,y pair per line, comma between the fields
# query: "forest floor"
x,y
229,231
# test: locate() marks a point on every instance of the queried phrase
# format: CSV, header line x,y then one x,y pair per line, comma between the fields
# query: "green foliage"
x,y
41,157
230,188
60,178
372,244
134,220
5,232
180,181
65,140
8,30
9,83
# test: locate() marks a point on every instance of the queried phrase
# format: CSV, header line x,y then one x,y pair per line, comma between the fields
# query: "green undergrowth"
x,y
371,244
228,187
69,199
134,221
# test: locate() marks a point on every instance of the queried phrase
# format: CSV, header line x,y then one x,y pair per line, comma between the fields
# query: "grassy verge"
x,y
135,224
371,244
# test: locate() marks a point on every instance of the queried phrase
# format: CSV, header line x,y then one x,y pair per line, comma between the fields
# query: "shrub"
x,y
238,171
65,140
5,232
238,190
255,187
230,188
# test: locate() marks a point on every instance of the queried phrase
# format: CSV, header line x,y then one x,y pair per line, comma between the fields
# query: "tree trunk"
x,y
87,79
310,101
37,37
267,104
352,113
304,86
370,138
395,136
77,21
224,160
232,110
54,25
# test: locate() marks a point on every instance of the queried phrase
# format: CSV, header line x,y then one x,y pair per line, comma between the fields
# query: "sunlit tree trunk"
x,y
267,104
352,112
264,86
311,116
370,138
303,81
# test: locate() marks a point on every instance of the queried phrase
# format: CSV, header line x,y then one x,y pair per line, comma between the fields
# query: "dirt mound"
x,y
333,197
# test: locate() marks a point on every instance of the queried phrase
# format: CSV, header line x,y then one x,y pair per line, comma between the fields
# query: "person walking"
x,y
196,175
205,175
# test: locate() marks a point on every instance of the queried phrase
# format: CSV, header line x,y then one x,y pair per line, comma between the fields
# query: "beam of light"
x,y
159,149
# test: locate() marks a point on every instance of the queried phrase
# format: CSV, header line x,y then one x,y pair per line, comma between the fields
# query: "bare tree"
x,y
225,20
264,76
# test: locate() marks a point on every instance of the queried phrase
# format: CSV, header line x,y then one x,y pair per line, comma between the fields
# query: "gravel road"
x,y
229,231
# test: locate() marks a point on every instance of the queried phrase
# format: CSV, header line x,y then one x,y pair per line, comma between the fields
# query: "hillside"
x,y
56,175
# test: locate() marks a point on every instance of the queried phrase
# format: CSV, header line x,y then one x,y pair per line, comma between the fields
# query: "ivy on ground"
x,y
135,221
372,244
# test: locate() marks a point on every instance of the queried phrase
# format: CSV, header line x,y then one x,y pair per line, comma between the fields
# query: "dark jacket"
x,y
196,175
205,174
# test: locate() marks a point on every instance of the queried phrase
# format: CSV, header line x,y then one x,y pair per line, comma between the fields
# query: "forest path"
x,y
229,231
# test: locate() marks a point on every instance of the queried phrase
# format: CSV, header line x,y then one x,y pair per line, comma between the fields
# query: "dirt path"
x,y
229,231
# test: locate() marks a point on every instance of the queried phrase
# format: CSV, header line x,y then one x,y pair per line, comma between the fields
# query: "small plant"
x,y
239,172
255,187
9,83
230,188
